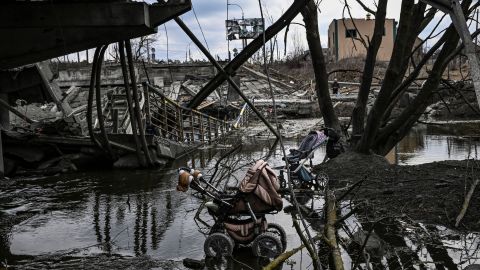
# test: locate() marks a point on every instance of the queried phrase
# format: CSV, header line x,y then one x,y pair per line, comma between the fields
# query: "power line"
x,y
201,30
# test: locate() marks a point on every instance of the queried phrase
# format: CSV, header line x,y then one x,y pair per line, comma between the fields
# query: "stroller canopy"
x,y
260,185
313,140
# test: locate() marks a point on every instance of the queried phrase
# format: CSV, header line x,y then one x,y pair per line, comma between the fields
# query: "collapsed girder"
x,y
248,52
40,30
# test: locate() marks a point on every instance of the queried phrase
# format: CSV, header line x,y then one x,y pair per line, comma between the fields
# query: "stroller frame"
x,y
266,239
301,176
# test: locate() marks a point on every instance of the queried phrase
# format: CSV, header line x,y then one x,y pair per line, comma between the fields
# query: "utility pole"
x,y
228,39
244,41
187,52
148,50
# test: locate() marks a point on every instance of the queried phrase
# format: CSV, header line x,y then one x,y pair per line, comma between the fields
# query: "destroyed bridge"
x,y
124,119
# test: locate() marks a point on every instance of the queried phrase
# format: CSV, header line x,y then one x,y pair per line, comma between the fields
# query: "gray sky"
x,y
212,14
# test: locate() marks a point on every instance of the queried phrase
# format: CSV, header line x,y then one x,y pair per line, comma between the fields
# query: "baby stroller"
x,y
240,217
301,177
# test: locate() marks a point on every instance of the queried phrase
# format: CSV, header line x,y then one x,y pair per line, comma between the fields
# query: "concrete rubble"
x,y
67,130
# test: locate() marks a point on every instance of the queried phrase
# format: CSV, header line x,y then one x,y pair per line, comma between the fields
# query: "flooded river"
x,y
136,219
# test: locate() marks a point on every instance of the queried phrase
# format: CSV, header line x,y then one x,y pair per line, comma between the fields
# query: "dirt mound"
x,y
431,193
351,167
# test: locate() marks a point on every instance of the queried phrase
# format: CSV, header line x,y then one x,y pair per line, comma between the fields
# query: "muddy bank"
x,y
103,261
431,193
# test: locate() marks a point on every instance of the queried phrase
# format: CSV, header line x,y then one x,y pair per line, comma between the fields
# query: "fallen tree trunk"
x,y
282,258
466,202
330,230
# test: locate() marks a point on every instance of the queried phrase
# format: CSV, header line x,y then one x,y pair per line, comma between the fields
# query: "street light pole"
x,y
239,7
243,18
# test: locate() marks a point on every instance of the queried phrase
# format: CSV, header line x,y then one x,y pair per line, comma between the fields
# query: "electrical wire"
x,y
282,146
201,30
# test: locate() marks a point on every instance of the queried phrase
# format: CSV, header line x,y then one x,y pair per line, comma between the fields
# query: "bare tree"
x,y
142,45
380,130
310,18
297,45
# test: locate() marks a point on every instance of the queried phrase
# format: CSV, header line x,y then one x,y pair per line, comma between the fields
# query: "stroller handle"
x,y
194,177
186,180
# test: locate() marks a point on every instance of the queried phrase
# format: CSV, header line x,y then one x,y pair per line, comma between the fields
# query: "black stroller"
x,y
240,217
301,176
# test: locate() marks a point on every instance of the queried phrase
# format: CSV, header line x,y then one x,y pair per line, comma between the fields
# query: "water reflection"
x,y
419,147
140,213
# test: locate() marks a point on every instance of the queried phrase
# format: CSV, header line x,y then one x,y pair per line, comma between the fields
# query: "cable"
x,y
201,30
282,146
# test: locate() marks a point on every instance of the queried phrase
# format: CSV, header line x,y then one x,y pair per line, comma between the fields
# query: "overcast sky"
x,y
212,14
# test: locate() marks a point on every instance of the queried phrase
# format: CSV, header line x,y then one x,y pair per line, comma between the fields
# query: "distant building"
x,y
344,38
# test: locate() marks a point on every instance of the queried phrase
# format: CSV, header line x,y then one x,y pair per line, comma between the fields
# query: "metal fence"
x,y
175,122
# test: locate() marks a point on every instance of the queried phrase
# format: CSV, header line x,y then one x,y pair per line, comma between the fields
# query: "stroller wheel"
x,y
278,230
218,245
267,245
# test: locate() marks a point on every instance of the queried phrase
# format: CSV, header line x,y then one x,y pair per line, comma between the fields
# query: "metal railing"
x,y
175,122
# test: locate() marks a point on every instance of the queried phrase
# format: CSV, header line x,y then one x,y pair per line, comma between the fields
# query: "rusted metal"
x,y
184,124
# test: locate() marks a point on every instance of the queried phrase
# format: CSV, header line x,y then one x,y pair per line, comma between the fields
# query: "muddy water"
x,y
136,219
420,146
127,213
